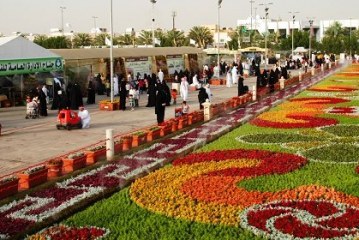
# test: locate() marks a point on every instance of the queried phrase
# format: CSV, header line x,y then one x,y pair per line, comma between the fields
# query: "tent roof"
x,y
252,49
88,53
300,50
13,48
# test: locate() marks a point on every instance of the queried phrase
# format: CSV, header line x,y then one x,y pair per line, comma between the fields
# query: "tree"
x,y
145,38
202,35
334,38
176,38
41,40
100,40
82,39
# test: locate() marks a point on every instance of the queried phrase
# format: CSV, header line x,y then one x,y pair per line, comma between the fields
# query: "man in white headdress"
x,y
85,117
184,89
195,81
234,75
115,85
160,75
229,78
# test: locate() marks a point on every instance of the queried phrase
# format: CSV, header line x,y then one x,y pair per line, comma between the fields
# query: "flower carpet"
x,y
287,173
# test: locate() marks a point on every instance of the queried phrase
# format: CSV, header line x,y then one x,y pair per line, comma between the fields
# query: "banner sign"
x,y
175,63
24,66
138,65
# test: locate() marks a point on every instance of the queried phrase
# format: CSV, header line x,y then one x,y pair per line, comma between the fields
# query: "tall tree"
x,y
145,38
41,40
202,35
100,40
82,39
176,38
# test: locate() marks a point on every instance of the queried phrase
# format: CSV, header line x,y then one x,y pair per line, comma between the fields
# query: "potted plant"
x,y
93,153
73,162
182,122
153,133
126,142
32,177
54,168
108,105
165,128
138,138
118,145
8,186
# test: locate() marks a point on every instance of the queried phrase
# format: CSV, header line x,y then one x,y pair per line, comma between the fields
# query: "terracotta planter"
x,y
191,118
182,122
126,143
27,181
137,140
153,134
93,156
165,129
9,188
200,116
108,106
70,165
174,125
54,170
215,82
118,147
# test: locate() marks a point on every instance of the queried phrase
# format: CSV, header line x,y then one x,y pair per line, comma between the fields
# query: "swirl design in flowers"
x,y
308,219
203,187
298,113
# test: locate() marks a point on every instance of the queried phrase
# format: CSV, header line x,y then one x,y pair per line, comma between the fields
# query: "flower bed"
x,y
227,189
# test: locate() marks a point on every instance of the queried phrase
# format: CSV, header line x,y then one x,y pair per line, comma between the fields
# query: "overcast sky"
x,y
38,16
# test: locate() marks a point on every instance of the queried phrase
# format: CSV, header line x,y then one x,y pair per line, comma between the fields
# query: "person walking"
x,y
123,94
184,89
160,107
202,96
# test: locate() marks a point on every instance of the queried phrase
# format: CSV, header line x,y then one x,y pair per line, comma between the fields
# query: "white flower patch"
x,y
335,110
196,143
133,174
118,173
139,154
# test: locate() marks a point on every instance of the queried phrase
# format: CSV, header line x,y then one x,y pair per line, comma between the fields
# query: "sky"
x,y
39,16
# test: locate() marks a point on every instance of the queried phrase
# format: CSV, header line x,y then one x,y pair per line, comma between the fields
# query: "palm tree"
x,y
100,40
82,39
145,38
126,40
41,40
176,38
202,35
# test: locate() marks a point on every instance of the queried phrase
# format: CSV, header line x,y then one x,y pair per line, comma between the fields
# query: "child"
x,y
131,100
174,95
185,108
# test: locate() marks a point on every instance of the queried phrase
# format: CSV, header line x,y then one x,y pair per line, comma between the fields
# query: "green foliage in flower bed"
x,y
343,130
340,176
340,153
277,138
126,220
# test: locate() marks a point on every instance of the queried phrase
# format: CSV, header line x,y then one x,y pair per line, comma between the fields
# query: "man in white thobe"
x,y
85,117
195,81
160,75
234,75
184,89
115,85
229,78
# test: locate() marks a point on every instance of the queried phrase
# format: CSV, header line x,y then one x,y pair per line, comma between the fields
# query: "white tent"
x,y
19,55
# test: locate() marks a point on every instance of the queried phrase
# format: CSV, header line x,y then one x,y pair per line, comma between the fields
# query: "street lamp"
x,y
153,22
174,14
219,7
310,38
266,32
111,51
62,19
350,37
251,1
94,23
293,15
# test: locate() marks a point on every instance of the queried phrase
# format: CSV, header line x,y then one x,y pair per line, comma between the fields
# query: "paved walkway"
x,y
27,142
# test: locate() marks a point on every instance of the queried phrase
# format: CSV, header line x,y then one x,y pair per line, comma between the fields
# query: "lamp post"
x,y
293,15
250,36
174,14
218,18
350,37
111,51
94,23
62,19
310,38
266,8
153,22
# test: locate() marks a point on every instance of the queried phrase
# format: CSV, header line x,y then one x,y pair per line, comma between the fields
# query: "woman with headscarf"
x,y
202,96
161,99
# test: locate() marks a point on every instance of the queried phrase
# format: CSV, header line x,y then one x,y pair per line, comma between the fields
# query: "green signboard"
x,y
23,66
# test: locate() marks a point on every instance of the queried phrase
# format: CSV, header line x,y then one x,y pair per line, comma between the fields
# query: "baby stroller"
x,y
32,109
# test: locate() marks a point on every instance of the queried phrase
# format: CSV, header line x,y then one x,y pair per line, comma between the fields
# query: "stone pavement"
x,y
27,142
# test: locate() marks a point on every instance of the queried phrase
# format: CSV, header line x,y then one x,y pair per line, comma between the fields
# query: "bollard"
x,y
322,67
207,110
300,76
313,71
254,93
110,146
330,65
281,83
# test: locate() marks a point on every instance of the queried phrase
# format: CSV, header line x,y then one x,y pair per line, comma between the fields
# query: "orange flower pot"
x,y
93,156
9,188
108,106
54,170
126,143
27,181
137,140
153,134
70,165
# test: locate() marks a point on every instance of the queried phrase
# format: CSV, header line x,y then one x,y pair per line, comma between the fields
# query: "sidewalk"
x,y
27,142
